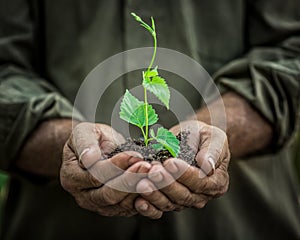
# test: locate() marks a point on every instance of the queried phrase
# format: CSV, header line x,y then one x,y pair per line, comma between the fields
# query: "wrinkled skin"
x,y
106,186
84,172
175,185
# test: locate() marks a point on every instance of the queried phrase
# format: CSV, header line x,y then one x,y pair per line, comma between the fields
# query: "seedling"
x,y
141,113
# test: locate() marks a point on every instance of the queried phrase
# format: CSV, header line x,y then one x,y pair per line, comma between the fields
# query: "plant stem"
x,y
144,135
146,117
146,140
154,51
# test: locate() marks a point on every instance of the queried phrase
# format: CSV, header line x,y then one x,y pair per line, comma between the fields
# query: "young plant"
x,y
141,113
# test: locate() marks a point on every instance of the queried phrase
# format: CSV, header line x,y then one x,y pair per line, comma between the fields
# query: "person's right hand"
x,y
175,185
102,185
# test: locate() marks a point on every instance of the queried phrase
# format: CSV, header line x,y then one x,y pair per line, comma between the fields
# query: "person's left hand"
x,y
175,184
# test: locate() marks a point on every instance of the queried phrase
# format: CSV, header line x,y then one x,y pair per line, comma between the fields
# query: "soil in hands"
x,y
150,154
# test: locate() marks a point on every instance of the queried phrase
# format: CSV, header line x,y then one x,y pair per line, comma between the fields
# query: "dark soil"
x,y
150,154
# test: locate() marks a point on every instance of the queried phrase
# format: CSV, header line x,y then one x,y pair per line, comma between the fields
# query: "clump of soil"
x,y
150,154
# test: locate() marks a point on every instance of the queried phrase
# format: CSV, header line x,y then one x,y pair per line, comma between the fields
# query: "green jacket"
x,y
47,48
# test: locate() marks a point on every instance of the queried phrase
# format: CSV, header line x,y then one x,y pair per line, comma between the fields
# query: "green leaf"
x,y
168,140
157,146
138,116
129,105
150,73
133,111
158,86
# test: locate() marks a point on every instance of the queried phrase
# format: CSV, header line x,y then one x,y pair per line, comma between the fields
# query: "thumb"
x,y
213,148
85,143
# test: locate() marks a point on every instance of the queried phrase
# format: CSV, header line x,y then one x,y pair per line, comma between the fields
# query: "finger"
x,y
74,179
117,189
213,148
217,184
175,191
155,197
128,202
110,138
107,169
84,141
194,178
146,209
92,142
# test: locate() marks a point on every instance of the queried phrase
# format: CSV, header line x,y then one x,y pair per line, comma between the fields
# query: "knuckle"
x,y
203,187
220,186
169,207
107,199
185,200
128,203
94,182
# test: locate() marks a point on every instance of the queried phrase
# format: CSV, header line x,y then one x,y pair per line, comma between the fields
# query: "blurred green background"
x,y
3,191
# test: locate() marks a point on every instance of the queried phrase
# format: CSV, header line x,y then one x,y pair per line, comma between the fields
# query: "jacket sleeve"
x,y
268,76
25,98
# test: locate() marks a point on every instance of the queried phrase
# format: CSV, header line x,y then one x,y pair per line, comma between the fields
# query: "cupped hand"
x,y
175,184
98,183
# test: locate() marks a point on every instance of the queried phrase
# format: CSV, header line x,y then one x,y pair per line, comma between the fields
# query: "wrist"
x,y
247,131
42,151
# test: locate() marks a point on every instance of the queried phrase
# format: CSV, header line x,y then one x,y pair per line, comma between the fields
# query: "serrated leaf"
x,y
157,146
132,110
129,106
138,116
168,140
151,73
158,86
